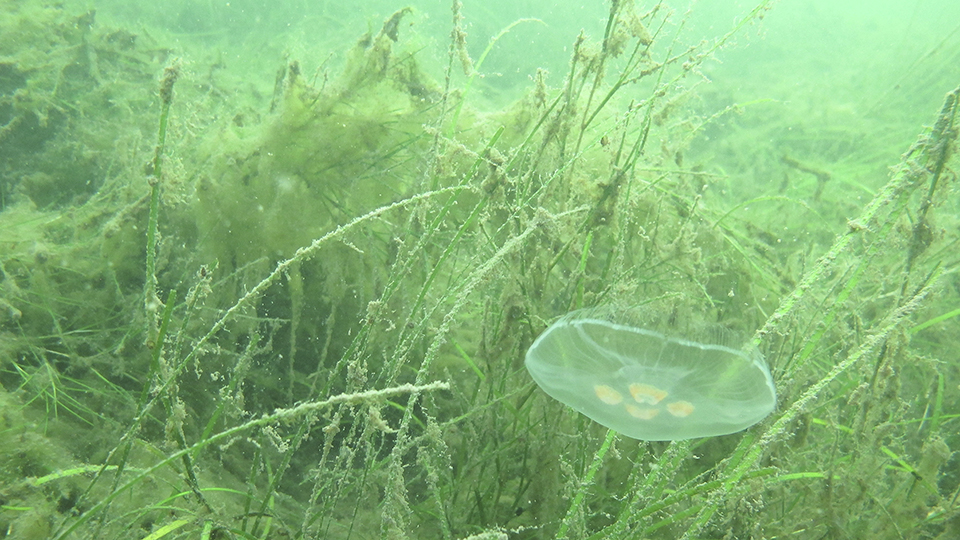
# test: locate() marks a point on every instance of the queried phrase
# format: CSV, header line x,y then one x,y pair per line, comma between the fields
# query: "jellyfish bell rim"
x,y
648,319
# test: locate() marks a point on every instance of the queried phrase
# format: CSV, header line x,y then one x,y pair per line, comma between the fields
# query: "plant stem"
x,y
151,301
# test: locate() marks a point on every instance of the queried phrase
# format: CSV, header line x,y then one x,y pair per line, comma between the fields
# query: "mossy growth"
x,y
322,156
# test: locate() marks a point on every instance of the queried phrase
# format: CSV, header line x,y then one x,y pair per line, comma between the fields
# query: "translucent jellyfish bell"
x,y
649,386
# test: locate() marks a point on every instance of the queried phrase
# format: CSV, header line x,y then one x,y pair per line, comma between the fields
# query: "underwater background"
x,y
270,270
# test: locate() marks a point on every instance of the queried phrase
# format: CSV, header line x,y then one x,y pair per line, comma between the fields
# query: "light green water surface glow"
x,y
649,386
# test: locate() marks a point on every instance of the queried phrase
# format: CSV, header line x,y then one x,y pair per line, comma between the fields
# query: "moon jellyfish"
x,y
647,385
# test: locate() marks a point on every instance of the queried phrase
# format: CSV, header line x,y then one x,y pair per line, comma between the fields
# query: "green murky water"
x,y
273,272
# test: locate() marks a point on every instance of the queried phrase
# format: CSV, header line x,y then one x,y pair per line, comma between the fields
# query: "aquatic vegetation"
x,y
308,317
